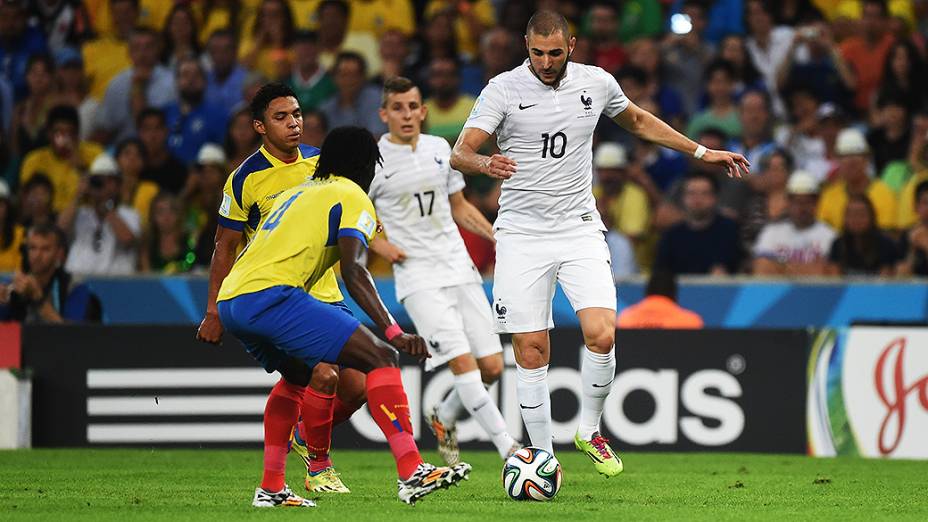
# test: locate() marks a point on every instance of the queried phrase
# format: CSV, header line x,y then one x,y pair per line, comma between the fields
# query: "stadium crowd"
x,y
121,119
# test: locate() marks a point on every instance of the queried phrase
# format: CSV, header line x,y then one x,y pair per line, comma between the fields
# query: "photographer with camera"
x,y
104,232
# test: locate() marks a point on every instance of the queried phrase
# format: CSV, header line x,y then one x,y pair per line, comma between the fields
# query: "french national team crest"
x,y
586,100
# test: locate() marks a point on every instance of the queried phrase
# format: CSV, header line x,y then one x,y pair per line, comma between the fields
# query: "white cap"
x,y
610,156
801,183
104,165
851,141
211,154
4,190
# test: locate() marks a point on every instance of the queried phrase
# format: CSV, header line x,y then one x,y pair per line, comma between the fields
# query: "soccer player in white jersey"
x,y
418,200
548,230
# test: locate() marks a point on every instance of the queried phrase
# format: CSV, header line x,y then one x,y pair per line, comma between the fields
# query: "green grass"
x,y
217,485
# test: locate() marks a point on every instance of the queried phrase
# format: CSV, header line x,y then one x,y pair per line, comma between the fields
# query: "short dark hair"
x,y
43,58
126,143
346,56
50,230
698,174
341,5
891,98
265,95
662,282
305,37
351,152
781,152
39,179
63,114
920,190
764,95
396,85
720,66
150,112
316,113
225,32
713,132
633,73
884,9
546,23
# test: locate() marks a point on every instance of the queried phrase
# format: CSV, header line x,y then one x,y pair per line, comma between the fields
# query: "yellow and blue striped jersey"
x,y
298,243
250,193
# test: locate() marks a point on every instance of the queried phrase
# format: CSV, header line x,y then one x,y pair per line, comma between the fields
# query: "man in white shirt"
x,y
104,232
548,230
419,199
798,245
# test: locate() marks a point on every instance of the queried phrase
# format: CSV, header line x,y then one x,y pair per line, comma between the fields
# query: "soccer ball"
x,y
532,474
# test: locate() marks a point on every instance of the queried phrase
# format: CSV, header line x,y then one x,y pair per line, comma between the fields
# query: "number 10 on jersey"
x,y
555,145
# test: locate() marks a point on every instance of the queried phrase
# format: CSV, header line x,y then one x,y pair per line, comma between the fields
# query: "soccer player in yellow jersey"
x,y
262,301
281,163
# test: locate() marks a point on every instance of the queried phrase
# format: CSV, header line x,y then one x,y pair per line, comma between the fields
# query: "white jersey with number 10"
x,y
549,133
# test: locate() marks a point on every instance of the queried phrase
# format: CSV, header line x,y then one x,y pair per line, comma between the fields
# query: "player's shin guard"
x,y
596,374
480,405
316,428
390,410
535,404
280,414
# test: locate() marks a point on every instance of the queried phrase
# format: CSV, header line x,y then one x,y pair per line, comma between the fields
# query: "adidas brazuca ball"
x,y
532,474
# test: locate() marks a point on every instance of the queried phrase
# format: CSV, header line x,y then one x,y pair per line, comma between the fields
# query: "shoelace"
x,y
599,442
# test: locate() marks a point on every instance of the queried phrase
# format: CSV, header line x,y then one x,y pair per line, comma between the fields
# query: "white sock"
x,y
596,374
480,405
451,408
535,404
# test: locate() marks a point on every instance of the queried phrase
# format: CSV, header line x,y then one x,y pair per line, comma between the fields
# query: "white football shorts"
x,y
454,321
529,266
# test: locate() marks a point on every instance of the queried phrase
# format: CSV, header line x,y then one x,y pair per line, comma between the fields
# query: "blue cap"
x,y
68,56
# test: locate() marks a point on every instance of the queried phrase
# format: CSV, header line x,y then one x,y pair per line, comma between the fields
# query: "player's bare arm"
x,y
468,217
382,246
466,159
649,127
226,243
360,286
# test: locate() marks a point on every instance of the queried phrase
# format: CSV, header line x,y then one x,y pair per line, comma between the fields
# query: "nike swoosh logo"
x,y
524,407
388,176
523,107
602,385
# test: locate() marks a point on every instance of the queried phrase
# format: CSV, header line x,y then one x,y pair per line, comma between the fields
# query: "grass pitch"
x,y
136,484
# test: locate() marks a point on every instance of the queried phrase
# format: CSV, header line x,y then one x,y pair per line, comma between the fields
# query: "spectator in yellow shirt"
x,y
448,108
335,37
854,166
918,159
471,19
65,160
625,202
265,46
108,55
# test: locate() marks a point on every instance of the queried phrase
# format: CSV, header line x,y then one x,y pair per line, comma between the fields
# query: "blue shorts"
x,y
284,321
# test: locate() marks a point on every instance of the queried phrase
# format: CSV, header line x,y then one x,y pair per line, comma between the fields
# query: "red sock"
x,y
390,410
342,412
280,414
316,428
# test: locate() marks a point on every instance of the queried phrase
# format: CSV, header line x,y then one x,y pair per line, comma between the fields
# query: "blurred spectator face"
x,y
496,49
191,81
894,115
802,209
873,20
404,114
732,50
645,54
603,23
439,33
583,51
921,207
802,105
307,54
63,137
153,134
103,188
4,209
854,167
12,20
71,76
699,199
349,77
36,202
165,214
443,78
125,16
720,87
776,174
130,160
221,50
274,18
314,130
242,132
393,46
44,253
548,55
900,62
39,78
697,18
143,50
332,21
758,19
857,217
754,114
182,27
212,177
611,179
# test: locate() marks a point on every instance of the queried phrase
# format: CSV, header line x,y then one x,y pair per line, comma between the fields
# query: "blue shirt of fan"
x,y
205,123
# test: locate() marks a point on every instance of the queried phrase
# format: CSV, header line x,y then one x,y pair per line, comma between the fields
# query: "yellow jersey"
x,y
298,243
251,191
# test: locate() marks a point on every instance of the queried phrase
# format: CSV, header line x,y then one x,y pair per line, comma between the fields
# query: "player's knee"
x,y
600,340
491,368
532,357
324,379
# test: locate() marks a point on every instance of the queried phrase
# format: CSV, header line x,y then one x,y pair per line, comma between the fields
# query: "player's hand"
x,y
411,344
734,163
499,167
393,253
210,330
